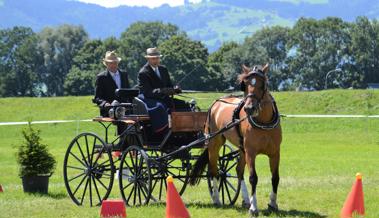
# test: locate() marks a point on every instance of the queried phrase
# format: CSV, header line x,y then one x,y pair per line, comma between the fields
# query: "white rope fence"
x,y
282,115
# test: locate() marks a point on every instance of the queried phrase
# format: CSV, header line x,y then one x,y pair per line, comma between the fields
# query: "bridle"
x,y
260,74
259,100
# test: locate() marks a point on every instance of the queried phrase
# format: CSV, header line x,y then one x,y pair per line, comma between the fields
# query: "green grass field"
x,y
320,157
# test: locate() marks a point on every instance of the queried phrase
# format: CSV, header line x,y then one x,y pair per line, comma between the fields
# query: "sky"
x,y
148,3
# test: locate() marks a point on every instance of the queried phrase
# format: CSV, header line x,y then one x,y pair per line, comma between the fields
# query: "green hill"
x,y
72,108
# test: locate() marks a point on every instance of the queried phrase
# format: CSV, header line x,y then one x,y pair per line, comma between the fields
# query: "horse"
x,y
260,133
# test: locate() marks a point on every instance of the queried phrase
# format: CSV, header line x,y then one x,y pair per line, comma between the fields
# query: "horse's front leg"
x,y
253,179
274,167
240,173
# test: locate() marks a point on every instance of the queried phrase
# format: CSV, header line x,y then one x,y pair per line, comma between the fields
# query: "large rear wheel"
x,y
88,170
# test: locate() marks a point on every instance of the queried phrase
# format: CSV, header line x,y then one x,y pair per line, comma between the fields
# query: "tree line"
x,y
311,55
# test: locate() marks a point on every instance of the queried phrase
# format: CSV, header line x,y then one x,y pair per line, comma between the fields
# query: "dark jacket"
x,y
149,82
106,87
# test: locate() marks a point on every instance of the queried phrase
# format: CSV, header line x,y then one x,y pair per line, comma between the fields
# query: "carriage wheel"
x,y
178,167
228,183
135,176
88,170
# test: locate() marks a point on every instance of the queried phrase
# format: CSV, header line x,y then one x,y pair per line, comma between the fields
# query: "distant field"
x,y
319,157
72,108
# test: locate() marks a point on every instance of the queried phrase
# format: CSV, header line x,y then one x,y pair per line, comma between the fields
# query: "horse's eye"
x,y
253,81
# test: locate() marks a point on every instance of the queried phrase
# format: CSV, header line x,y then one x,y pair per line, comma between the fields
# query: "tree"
x,y
87,63
217,65
21,63
274,40
365,50
318,47
60,45
140,36
79,82
186,60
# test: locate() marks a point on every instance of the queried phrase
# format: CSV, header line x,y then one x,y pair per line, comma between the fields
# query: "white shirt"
x,y
116,77
156,70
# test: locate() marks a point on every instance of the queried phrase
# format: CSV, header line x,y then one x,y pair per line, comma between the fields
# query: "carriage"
x,y
141,162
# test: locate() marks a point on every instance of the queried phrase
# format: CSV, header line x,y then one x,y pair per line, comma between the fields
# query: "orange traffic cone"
x,y
175,207
354,204
1,189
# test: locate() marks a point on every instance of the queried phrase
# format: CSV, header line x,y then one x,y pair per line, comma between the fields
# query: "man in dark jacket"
x,y
156,90
108,81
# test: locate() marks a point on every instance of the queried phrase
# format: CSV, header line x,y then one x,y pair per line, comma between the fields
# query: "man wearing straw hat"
x,y
108,81
156,90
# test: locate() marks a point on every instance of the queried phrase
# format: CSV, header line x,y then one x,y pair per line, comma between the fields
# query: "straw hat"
x,y
152,53
111,56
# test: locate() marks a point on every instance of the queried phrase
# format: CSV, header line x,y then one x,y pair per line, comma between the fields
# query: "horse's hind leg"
x,y
274,166
240,173
213,151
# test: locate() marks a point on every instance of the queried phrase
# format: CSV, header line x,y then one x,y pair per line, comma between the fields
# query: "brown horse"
x,y
259,134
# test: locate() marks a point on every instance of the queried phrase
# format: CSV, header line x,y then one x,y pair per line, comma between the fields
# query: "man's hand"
x,y
177,90
107,104
167,91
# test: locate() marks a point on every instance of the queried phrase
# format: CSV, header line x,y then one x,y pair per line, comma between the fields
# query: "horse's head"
x,y
256,86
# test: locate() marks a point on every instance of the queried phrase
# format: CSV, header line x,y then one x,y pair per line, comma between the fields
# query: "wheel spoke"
x,y
98,156
101,183
143,191
93,150
130,194
139,193
96,189
90,191
130,168
81,152
233,165
135,194
76,168
222,191
78,159
77,176
227,191
89,158
81,182
127,186
84,192
231,185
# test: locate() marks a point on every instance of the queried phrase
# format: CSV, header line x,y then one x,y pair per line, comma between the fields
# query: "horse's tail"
x,y
199,167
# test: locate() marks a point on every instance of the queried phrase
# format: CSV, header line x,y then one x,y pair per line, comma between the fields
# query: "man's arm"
x,y
145,86
126,82
99,92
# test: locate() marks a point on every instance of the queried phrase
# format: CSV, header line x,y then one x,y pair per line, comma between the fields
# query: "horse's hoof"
x,y
272,209
217,203
245,204
254,213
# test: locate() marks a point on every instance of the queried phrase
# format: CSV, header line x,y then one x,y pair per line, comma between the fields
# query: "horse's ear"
x,y
266,68
245,69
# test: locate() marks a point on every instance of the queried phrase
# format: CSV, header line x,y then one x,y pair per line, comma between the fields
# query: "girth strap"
x,y
236,115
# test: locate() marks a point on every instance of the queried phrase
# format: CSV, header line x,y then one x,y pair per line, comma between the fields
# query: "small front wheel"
x,y
229,184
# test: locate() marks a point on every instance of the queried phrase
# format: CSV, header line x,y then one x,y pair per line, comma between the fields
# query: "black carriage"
x,y
139,161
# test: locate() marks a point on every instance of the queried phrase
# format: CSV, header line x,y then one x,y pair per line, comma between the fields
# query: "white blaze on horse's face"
x,y
253,81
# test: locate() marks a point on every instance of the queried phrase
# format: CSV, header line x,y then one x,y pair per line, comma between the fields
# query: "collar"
x,y
114,74
154,68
